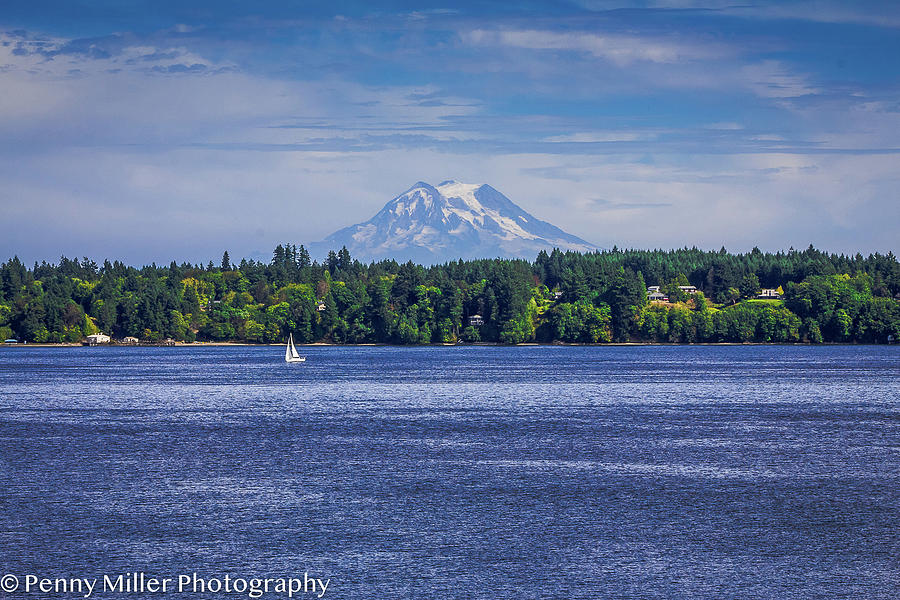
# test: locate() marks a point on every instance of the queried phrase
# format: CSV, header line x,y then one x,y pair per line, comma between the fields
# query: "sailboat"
x,y
290,353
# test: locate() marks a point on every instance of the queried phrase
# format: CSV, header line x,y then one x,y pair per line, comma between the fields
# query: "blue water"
x,y
468,472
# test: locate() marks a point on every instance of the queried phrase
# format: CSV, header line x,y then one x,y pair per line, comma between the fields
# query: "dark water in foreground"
x,y
532,472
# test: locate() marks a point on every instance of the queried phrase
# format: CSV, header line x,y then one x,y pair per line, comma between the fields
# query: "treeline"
x,y
561,296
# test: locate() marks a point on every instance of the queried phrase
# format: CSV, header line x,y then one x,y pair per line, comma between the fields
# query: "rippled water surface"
x,y
469,472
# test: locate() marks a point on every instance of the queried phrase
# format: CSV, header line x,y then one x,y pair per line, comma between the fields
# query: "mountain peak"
x,y
453,220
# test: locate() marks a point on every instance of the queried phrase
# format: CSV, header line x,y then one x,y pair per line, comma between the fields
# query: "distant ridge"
x,y
453,220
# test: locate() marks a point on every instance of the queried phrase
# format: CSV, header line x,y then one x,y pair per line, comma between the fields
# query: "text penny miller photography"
x,y
143,583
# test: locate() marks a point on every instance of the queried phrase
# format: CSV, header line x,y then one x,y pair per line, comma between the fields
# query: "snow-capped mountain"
x,y
454,220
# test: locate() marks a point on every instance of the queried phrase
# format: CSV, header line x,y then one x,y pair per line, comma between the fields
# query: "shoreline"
x,y
465,345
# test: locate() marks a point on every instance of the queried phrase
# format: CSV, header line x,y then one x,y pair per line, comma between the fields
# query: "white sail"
x,y
290,352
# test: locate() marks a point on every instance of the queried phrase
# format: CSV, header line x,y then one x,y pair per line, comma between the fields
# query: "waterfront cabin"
x,y
96,339
476,320
130,340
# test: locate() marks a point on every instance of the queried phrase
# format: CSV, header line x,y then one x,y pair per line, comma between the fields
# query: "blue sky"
x,y
152,131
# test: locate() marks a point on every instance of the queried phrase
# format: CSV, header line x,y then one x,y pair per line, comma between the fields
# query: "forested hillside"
x,y
568,297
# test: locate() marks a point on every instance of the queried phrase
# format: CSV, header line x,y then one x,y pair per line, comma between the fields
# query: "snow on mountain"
x,y
454,220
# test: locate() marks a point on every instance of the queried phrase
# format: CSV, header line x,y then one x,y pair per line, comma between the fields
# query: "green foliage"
x,y
254,332
595,298
178,325
841,308
470,334
581,322
743,322
407,331
672,288
749,286
5,313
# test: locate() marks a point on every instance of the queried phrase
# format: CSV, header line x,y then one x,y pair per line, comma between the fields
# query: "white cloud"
x,y
772,79
878,14
725,126
865,12
145,100
60,57
603,136
640,64
772,201
182,28
621,50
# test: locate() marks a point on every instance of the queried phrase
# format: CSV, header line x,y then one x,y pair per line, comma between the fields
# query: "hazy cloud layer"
x,y
653,125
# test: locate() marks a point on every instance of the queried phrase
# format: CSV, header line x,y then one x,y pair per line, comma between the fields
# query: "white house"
x,y
97,338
